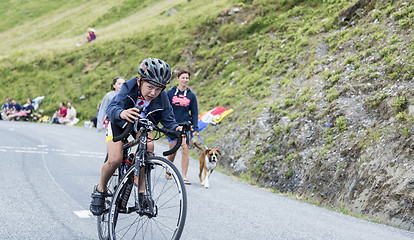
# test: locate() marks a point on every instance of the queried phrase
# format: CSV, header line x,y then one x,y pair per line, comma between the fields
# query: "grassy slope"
x,y
50,64
63,72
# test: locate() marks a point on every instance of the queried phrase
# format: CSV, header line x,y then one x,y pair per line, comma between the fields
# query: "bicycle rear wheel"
x,y
170,202
103,231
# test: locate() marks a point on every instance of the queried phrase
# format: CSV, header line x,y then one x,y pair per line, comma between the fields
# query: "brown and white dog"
x,y
208,162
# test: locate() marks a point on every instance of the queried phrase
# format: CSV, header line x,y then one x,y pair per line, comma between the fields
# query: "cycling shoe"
x,y
97,203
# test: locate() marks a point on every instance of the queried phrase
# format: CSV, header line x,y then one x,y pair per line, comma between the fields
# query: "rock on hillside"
x,y
349,144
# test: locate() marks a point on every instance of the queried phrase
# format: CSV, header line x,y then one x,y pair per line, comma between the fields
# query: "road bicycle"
x,y
160,211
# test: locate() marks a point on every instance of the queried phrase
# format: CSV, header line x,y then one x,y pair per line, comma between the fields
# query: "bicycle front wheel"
x,y
170,203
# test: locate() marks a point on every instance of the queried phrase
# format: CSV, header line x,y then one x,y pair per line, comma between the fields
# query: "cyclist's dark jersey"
x,y
127,97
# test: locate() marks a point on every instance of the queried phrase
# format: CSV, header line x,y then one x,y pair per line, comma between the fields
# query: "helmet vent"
x,y
152,75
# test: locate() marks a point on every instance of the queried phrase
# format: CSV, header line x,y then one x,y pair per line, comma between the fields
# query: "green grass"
x,y
39,53
20,12
39,56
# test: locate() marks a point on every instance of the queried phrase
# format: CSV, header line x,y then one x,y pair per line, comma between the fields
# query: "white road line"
x,y
27,151
7,147
83,213
42,150
94,156
55,150
71,154
85,152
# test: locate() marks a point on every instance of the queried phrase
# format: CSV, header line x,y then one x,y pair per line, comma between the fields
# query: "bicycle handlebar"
x,y
177,135
129,128
186,126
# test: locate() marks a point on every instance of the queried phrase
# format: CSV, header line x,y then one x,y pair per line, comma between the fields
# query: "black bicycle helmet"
x,y
155,71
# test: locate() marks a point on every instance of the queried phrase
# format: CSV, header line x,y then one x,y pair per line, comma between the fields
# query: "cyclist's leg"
x,y
150,142
114,160
114,150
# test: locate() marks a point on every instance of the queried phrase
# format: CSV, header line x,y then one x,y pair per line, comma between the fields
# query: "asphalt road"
x,y
47,173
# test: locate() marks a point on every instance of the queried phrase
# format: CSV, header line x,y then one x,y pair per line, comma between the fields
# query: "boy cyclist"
x,y
147,91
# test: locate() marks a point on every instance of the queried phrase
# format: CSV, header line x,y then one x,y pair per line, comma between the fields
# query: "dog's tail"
x,y
195,144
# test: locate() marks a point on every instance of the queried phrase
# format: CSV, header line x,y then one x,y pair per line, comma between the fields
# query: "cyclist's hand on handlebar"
x,y
130,114
179,129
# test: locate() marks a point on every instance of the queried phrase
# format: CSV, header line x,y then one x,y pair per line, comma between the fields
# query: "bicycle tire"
x,y
170,201
102,220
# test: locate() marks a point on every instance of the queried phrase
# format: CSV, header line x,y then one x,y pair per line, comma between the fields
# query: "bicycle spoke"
x,y
126,228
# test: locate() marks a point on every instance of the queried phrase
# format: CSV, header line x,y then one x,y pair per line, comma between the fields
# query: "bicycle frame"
x,y
141,155
140,162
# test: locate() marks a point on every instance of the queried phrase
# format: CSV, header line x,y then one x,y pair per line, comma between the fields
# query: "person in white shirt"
x,y
70,118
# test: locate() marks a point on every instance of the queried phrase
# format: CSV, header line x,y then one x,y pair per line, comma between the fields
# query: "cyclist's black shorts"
x,y
113,130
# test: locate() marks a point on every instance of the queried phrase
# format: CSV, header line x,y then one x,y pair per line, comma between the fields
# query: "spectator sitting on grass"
x,y
70,118
91,36
15,107
6,108
25,111
58,115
